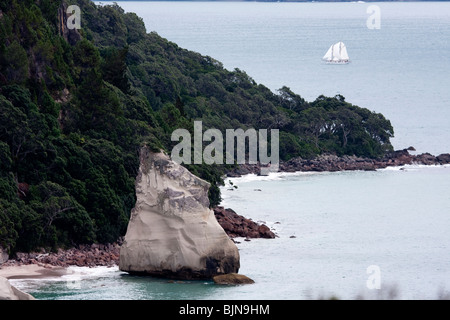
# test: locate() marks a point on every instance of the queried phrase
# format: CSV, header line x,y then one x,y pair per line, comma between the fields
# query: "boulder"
x,y
8,292
443,158
236,225
425,158
172,231
232,278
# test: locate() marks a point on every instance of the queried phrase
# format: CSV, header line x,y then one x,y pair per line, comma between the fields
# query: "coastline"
x,y
38,265
334,163
31,271
41,265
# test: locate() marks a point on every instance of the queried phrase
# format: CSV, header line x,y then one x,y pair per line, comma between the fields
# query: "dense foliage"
x,y
75,107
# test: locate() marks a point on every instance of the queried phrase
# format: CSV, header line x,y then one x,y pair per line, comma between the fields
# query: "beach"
x,y
31,271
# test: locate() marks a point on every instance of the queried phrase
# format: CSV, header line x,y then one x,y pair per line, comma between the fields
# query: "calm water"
x,y
331,226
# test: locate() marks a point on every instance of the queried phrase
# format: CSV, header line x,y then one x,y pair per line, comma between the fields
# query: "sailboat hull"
x,y
336,62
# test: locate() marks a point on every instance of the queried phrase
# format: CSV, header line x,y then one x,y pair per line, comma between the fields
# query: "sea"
x,y
382,234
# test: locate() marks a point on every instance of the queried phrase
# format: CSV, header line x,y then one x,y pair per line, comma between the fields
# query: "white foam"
x,y
273,176
72,277
414,167
78,273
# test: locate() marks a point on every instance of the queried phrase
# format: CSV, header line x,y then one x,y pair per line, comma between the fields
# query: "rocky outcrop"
x,y
331,162
172,232
238,226
8,292
443,158
232,278
82,256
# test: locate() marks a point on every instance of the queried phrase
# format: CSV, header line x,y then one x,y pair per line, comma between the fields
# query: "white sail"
x,y
329,54
343,53
337,53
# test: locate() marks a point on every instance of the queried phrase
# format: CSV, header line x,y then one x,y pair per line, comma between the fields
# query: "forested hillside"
x,y
76,105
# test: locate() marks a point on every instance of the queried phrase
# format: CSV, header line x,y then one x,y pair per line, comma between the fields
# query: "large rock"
x,y
8,292
172,232
232,278
443,158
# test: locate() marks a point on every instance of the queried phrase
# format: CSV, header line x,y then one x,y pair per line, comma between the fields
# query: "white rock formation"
x,y
8,292
172,232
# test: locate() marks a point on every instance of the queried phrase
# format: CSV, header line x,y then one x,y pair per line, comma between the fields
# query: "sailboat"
x,y
337,54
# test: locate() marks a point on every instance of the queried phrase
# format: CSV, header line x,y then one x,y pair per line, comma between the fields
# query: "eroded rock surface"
x,y
172,231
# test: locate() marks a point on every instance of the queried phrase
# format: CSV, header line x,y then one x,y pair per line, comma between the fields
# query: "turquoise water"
x,y
100,283
331,226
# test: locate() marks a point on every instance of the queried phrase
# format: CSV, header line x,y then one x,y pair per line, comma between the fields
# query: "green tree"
x,y
15,63
115,68
63,219
290,100
10,221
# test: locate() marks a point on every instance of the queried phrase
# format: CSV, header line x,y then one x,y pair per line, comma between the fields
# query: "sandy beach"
x,y
31,271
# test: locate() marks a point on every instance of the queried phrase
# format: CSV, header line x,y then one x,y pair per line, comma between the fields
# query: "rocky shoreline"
x,y
234,225
332,163
82,256
95,255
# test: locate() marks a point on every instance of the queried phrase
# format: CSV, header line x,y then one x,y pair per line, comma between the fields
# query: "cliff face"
x,y
172,232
